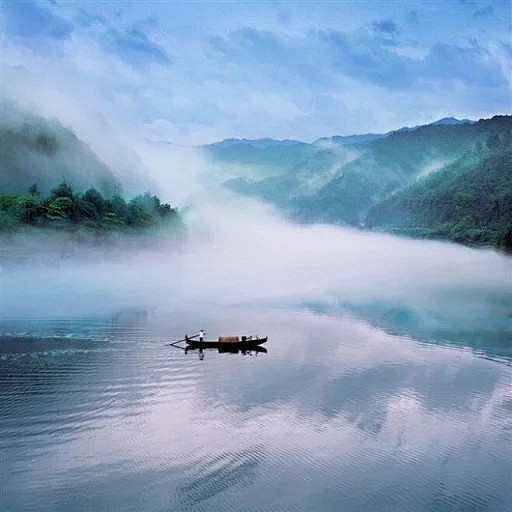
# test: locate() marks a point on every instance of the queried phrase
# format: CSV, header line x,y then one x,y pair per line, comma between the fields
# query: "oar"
x,y
179,341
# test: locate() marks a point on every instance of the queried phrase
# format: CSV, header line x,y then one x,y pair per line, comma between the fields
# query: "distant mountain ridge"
x,y
347,139
452,121
338,182
257,143
257,159
445,121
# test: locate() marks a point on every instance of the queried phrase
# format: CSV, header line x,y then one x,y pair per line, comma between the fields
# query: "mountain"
x,y
257,143
386,165
445,121
350,139
451,121
341,183
469,201
39,151
258,161
303,179
338,139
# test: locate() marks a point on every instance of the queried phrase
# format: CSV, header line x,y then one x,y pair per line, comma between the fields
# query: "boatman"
x,y
201,335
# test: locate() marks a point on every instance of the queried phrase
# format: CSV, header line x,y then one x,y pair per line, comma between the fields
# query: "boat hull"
x,y
231,344
222,349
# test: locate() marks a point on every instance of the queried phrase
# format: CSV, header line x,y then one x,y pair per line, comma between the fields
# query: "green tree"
x,y
83,210
94,198
137,215
118,205
63,190
27,208
8,202
91,210
110,221
60,208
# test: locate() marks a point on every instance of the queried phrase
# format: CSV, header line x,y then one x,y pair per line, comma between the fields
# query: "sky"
x,y
196,72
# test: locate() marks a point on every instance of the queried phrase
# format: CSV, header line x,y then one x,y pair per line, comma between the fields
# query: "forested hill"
x,y
469,202
393,163
346,183
41,151
51,179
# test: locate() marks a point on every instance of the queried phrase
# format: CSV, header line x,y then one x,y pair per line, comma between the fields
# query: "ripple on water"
x,y
102,417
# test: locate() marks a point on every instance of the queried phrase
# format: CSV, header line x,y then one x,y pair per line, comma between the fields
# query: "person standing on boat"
x,y
201,335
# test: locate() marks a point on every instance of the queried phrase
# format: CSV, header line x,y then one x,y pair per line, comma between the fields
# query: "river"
x,y
385,385
98,414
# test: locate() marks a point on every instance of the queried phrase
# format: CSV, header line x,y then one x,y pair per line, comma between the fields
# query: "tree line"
x,y
67,208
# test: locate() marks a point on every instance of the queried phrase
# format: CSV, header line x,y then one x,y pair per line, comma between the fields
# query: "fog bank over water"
x,y
240,253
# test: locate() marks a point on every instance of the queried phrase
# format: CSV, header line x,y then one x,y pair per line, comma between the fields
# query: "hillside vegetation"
x,y
42,151
375,183
51,179
88,214
469,202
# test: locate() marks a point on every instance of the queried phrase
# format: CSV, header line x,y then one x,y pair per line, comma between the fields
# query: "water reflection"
x,y
342,416
482,323
225,350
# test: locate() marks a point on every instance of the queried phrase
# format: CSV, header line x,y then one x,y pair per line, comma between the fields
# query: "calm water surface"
x,y
97,414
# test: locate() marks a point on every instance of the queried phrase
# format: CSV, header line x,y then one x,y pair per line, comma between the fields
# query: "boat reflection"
x,y
245,351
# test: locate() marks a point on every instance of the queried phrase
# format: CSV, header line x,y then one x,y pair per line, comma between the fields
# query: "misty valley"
x,y
446,180
387,367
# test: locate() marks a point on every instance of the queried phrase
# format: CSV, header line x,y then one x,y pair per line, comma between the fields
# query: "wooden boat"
x,y
234,342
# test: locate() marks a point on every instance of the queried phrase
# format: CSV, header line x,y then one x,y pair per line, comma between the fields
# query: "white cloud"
x,y
212,79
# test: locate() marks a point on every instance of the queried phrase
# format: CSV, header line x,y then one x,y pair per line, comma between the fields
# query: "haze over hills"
x,y
469,201
257,143
449,179
50,178
356,138
264,158
258,160
41,151
341,181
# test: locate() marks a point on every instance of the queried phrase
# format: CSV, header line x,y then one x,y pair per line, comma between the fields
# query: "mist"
x,y
241,254
254,167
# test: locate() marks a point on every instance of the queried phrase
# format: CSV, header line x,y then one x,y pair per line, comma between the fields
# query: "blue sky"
x,y
195,72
